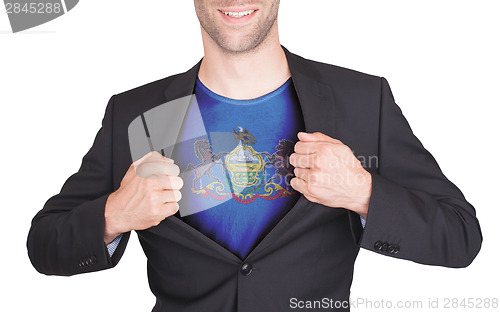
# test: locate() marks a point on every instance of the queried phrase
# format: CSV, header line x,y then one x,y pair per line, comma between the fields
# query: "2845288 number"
x,y
33,8
471,303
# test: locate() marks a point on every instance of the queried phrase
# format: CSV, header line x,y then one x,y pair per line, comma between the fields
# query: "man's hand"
x,y
148,193
327,172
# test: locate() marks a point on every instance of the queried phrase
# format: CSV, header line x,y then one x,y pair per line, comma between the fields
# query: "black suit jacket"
x,y
415,212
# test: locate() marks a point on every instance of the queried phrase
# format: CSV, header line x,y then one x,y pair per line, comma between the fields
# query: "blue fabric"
x,y
239,202
363,221
112,246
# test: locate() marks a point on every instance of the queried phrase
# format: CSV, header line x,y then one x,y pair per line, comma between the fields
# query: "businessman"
x,y
269,203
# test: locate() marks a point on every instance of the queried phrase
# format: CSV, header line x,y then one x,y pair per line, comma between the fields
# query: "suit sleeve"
x,y
67,236
415,212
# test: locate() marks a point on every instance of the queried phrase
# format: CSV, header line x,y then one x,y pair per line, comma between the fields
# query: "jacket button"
x,y
395,249
93,260
385,245
246,269
390,249
83,263
378,245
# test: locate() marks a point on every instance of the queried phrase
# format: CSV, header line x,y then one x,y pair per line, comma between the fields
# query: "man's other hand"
x,y
327,172
148,193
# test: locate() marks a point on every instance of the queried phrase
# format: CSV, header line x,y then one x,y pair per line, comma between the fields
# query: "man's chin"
x,y
239,46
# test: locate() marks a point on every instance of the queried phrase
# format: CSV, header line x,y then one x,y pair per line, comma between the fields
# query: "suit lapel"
x,y
318,107
316,98
183,84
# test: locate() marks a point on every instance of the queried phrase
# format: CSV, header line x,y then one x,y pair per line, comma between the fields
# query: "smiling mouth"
x,y
238,14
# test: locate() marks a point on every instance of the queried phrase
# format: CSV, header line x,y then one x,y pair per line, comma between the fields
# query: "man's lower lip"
x,y
237,20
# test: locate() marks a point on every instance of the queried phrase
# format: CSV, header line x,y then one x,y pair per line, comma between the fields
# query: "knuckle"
x,y
170,196
177,195
172,208
315,176
172,169
144,166
298,161
168,160
177,170
297,145
176,182
346,150
148,183
337,141
313,172
316,161
143,170
166,196
328,149
168,183
322,148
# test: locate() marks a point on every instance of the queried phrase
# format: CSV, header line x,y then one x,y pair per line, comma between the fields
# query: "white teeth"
x,y
239,14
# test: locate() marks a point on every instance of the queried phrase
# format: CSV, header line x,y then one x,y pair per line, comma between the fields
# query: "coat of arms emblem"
x,y
244,170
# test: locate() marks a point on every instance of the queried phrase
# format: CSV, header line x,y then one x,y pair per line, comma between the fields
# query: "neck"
x,y
245,75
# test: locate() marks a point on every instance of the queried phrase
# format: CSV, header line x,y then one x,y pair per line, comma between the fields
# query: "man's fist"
x,y
327,172
148,193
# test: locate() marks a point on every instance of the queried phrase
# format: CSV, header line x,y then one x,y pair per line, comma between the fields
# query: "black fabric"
x,y
310,254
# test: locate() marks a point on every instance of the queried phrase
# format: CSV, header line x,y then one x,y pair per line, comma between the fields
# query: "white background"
x,y
440,58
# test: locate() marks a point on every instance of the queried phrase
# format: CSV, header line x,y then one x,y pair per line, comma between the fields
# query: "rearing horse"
x,y
203,151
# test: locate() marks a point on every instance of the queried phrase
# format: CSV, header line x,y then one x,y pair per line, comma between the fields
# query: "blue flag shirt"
x,y
237,178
